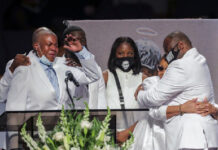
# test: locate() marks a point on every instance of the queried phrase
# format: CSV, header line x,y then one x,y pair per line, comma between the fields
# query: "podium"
x,y
12,122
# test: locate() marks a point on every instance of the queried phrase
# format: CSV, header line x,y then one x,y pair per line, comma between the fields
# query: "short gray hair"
x,y
40,31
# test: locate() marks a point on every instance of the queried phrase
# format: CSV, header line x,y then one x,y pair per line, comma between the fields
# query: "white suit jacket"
x,y
5,82
185,79
31,89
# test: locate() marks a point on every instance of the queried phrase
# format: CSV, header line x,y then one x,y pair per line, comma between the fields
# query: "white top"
x,y
185,79
128,83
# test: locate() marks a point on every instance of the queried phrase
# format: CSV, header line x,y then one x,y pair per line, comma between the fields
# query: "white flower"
x,y
59,136
108,147
74,148
41,129
97,148
107,138
45,147
61,147
86,124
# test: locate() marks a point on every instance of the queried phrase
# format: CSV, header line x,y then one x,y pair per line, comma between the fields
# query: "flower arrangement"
x,y
75,132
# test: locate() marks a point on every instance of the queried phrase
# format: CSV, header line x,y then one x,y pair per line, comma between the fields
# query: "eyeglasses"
x,y
160,68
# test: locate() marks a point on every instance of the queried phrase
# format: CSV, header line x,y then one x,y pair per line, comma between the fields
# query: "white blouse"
x,y
128,83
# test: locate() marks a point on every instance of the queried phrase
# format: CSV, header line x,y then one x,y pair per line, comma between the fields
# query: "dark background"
x,y
18,18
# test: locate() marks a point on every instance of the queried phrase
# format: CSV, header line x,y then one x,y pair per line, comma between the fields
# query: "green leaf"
x,y
85,131
81,142
93,133
50,143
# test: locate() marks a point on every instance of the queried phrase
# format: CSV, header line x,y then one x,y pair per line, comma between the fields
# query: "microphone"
x,y
71,78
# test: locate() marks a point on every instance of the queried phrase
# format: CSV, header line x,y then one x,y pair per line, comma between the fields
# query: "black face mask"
x,y
172,55
125,63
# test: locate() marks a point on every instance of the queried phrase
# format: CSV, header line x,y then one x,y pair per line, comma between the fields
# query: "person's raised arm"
x,y
89,65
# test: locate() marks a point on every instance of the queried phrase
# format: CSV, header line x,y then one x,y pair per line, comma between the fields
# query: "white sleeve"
x,y
89,71
84,54
159,113
171,84
97,98
5,82
102,103
17,95
86,74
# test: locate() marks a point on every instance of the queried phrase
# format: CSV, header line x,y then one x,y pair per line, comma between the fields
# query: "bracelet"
x,y
180,110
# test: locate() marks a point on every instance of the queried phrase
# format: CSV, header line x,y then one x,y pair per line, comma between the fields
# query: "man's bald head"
x,y
173,38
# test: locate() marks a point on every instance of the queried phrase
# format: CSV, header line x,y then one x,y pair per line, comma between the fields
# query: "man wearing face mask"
x,y
187,76
40,86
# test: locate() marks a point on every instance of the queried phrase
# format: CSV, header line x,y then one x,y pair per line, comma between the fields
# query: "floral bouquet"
x,y
75,132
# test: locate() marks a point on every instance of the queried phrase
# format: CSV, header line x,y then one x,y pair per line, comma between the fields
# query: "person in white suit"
x,y
40,86
187,76
93,93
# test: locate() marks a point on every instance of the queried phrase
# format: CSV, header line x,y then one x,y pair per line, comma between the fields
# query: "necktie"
x,y
53,79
